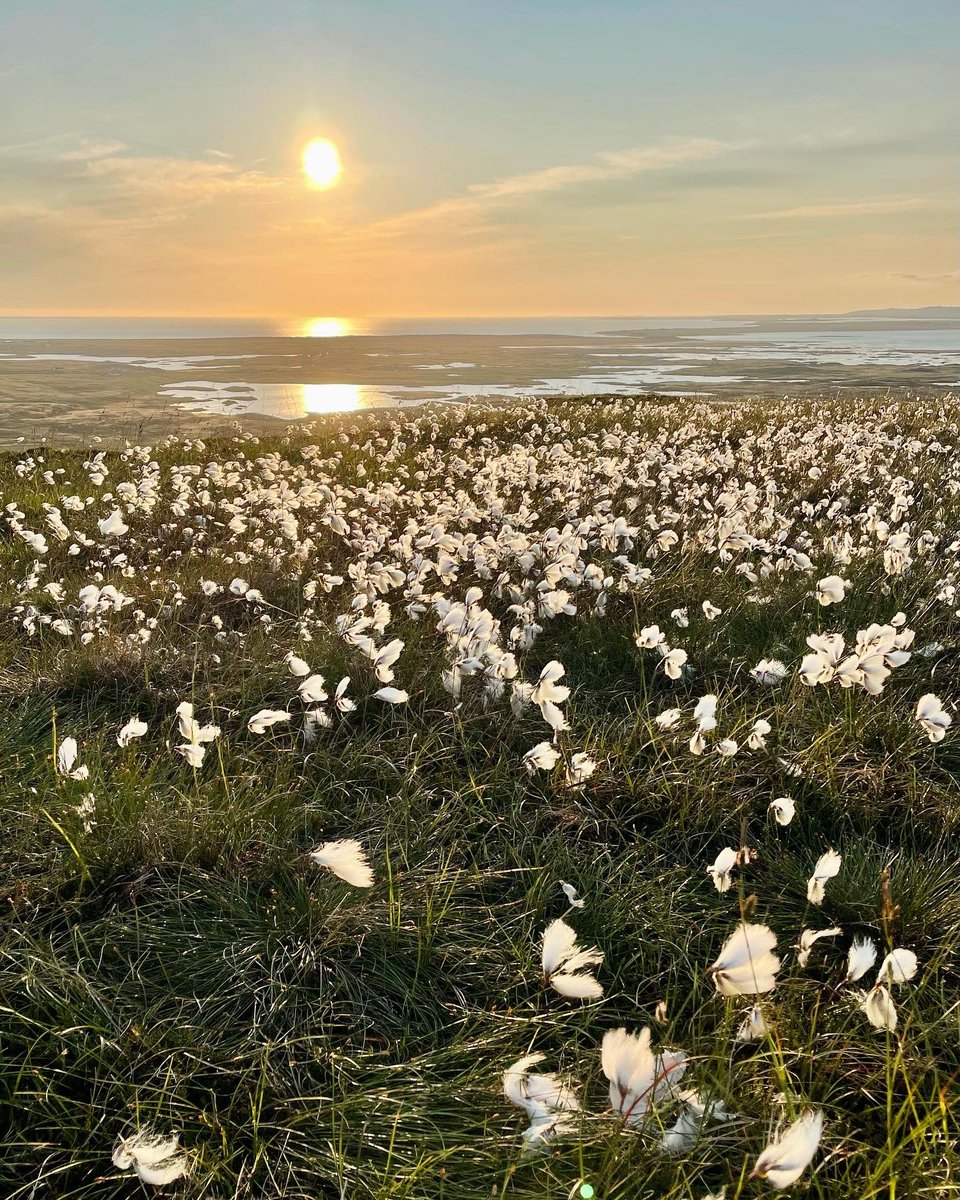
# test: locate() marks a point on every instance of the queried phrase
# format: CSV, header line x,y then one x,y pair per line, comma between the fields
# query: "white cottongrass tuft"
x,y
133,729
67,753
113,525
860,958
746,965
391,695
266,718
879,1008
809,938
932,718
579,769
831,590
783,809
753,1027
543,757
899,966
828,867
785,1159
722,869
157,1160
565,963
769,671
296,666
346,859
312,690
572,895
639,1079
546,1099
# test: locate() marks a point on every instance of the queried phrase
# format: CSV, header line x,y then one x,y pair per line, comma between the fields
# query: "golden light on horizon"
x,y
330,397
324,327
321,163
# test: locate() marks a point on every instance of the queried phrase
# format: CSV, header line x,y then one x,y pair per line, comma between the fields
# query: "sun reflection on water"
x,y
326,327
332,397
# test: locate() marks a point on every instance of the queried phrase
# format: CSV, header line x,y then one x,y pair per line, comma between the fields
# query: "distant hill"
x,y
931,312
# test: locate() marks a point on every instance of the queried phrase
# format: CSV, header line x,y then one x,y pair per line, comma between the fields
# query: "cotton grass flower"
x,y
831,590
758,734
721,872
809,938
649,638
753,1027
565,963
932,718
67,753
579,769
571,894
155,1159
266,718
546,1099
878,1007
746,965
341,701
860,958
312,690
346,859
131,731
197,736
696,1113
113,525
668,719
827,868
673,662
391,695
705,713
384,660
547,694
543,757
639,1079
784,1160
769,672
783,809
899,966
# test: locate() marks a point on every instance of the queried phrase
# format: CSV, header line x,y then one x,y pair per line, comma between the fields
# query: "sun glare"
x,y
326,327
331,397
321,163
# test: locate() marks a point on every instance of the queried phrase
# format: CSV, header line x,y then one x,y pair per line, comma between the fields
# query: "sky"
x,y
507,158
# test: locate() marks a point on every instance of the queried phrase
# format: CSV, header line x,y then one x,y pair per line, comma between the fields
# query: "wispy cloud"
x,y
169,188
90,149
929,276
481,199
857,208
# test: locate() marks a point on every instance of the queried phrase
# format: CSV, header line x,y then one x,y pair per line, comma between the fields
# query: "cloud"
x,y
34,144
859,208
469,212
88,150
929,276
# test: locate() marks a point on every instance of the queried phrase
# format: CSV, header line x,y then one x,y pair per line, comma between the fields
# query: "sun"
x,y
321,163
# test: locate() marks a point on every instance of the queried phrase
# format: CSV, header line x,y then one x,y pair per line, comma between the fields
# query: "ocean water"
x,y
109,328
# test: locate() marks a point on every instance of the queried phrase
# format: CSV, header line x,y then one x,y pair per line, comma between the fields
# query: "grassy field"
x,y
172,960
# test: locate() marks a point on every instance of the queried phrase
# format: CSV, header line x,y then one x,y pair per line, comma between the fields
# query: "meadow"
x,y
679,675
